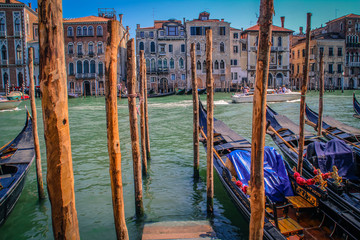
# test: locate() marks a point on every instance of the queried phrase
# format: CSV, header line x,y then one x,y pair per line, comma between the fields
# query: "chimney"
x,y
282,21
183,20
29,4
36,10
137,26
120,18
301,30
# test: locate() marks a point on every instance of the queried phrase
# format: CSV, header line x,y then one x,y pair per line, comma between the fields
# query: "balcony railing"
x,y
162,53
91,54
18,61
4,62
163,70
2,33
17,34
80,54
354,64
353,45
85,75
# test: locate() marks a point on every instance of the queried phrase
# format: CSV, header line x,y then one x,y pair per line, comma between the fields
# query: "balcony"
x,y
353,45
4,62
163,70
312,56
85,75
18,61
198,52
17,34
2,33
354,64
80,54
91,54
162,53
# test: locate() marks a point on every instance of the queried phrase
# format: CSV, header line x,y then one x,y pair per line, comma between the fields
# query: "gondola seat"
x,y
289,226
299,203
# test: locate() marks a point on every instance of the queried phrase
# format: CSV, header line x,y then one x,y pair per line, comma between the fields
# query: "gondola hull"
x,y
356,105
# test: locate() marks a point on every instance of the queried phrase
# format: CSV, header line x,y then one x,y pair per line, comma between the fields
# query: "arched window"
x,y
172,65
99,31
91,48
70,32
20,79
198,65
279,60
84,31
100,47
71,69
78,31
204,66
2,25
159,63
152,47
198,47
90,31
80,49
18,52
165,63
222,64
71,48
222,47
6,79
147,64
86,66
17,25
79,67
216,64
141,46
101,68
279,41
347,58
3,53
152,65
181,63
92,66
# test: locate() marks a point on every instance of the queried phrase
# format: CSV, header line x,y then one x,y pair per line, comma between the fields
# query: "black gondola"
x,y
181,92
343,196
321,212
201,90
16,158
356,107
161,95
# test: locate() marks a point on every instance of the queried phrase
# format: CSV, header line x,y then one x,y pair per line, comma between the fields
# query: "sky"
x,y
240,13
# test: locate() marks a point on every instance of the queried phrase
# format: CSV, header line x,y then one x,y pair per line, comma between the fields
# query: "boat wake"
x,y
10,110
296,100
221,102
186,103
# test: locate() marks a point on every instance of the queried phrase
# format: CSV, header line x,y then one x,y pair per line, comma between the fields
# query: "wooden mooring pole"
x,y
303,95
195,112
147,134
131,74
210,124
257,197
60,179
113,130
40,182
321,95
142,112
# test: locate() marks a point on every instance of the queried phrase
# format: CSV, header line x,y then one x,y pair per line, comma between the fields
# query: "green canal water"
x,y
170,192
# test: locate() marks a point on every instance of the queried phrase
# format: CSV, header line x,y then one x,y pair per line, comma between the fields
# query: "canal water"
x,y
170,193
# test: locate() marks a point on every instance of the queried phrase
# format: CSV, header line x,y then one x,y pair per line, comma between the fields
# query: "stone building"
x,y
237,57
279,69
332,47
18,31
164,46
85,45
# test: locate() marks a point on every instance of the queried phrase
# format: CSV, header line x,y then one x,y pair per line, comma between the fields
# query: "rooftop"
x,y
85,19
351,15
256,28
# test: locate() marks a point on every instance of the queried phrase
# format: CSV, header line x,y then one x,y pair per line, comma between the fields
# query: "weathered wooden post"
x,y
142,112
7,89
196,112
303,95
131,74
257,198
147,134
321,94
40,183
113,130
60,179
210,124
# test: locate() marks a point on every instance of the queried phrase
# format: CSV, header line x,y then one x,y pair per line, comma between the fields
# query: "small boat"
x,y
201,90
17,95
271,96
16,158
181,92
292,209
189,92
161,95
73,95
6,104
356,107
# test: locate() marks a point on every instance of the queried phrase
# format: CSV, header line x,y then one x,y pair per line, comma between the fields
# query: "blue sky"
x,y
240,13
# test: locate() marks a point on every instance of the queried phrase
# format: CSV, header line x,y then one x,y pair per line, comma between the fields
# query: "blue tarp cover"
x,y
335,152
277,183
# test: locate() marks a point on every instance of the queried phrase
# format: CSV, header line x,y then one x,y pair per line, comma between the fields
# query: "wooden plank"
x,y
289,226
299,202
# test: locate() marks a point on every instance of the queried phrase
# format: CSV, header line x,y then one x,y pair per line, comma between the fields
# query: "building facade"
x,y
238,56
279,67
85,45
18,31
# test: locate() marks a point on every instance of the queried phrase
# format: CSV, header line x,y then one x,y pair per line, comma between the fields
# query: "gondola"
x,y
201,90
181,92
318,155
161,95
189,92
16,158
285,215
356,107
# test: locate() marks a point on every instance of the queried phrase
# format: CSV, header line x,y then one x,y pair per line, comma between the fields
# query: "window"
x,y
235,75
84,31
181,33
222,64
182,76
151,34
147,64
152,79
172,65
279,60
161,33
222,31
18,53
196,31
321,50
204,66
101,68
78,67
236,35
86,66
303,53
71,69
141,46
331,51
100,47
78,31
198,65
216,65
181,63
339,68
330,68
256,40
70,32
3,53
17,28
170,48
222,47
6,79
339,53
165,63
279,41
173,77
182,48
198,47
99,31
142,34
152,65
233,62
71,48
152,47
298,53
313,67
236,49
90,31
92,66
159,63
172,31
79,49
243,47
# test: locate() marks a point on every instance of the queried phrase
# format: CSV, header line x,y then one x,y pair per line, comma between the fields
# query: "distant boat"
x,y
6,104
200,91
161,95
73,95
356,107
271,96
17,95
16,158
181,92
